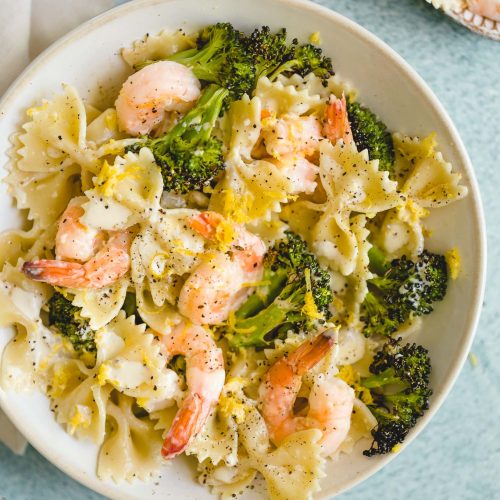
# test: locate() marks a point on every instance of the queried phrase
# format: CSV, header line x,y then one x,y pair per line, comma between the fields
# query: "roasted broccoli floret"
x,y
399,392
405,290
371,134
296,294
66,318
188,156
273,55
306,59
268,50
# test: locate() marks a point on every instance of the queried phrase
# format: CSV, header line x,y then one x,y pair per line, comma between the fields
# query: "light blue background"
x,y
458,455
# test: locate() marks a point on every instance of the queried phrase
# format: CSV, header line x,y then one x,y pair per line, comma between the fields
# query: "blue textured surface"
x,y
458,455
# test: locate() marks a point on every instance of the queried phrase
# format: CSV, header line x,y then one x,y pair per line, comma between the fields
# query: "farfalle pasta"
x,y
216,264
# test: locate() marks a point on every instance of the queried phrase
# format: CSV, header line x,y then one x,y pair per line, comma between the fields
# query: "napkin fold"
x,y
27,27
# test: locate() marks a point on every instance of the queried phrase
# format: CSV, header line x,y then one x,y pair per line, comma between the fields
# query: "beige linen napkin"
x,y
26,28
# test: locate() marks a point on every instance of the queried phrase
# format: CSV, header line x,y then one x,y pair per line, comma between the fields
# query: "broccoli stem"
x,y
252,331
284,309
380,380
378,260
257,301
204,114
200,59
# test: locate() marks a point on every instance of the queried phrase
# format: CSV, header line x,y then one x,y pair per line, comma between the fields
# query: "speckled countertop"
x,y
458,455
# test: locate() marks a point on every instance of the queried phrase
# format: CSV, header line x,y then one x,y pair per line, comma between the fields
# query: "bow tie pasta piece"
x,y
77,399
101,305
126,192
130,359
163,252
107,213
250,191
291,471
218,440
427,179
360,274
155,47
269,230
44,195
402,232
103,128
432,183
57,131
353,182
224,481
131,450
362,422
241,127
334,241
279,97
315,85
17,242
409,151
160,318
34,348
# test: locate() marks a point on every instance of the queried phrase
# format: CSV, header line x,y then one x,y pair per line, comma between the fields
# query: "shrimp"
x,y
147,95
299,171
205,378
74,240
330,401
98,263
291,134
336,124
108,265
217,286
485,8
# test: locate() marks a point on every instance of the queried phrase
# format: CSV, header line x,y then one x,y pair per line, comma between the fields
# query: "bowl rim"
x,y
479,231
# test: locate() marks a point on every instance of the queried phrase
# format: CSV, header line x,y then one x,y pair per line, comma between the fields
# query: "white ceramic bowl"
x,y
88,58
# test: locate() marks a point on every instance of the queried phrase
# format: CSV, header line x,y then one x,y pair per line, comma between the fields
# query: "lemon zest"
x,y
59,382
110,176
351,377
225,234
36,109
416,211
236,210
231,405
454,262
250,284
142,402
79,418
473,359
102,374
310,308
315,38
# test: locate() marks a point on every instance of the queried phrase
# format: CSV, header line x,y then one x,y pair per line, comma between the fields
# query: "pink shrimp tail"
x,y
310,353
205,223
336,125
109,264
187,423
55,272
